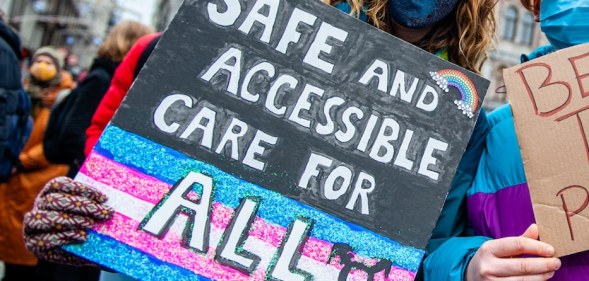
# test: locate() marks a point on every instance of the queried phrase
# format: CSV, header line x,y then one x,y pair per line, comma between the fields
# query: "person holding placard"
x,y
499,203
457,30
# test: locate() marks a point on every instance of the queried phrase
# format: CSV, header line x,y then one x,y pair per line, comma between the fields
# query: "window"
x,y
510,23
527,30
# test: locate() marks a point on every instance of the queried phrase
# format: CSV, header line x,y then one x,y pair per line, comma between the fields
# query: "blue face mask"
x,y
565,22
420,13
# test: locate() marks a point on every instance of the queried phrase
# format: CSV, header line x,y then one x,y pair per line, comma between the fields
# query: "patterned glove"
x,y
63,211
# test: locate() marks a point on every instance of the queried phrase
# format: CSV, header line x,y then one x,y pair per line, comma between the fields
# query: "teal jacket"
x,y
453,242
498,202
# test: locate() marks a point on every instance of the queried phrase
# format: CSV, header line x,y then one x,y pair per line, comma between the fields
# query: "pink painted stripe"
x,y
125,179
167,249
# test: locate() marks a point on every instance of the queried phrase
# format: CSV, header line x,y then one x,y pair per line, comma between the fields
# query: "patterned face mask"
x,y
416,14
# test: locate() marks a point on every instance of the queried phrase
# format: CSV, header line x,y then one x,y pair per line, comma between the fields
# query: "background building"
x,y
80,25
517,34
165,11
77,25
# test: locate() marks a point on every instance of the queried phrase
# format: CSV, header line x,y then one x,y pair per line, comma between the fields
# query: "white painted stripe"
x,y
138,209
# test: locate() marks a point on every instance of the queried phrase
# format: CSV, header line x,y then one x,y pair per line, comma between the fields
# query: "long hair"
x,y
467,33
528,4
121,38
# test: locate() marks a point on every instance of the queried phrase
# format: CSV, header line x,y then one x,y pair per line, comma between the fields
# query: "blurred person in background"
x,y
65,138
32,170
15,126
121,83
72,65
47,81
65,135
15,122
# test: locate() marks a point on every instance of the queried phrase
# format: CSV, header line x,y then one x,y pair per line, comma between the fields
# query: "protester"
x,y
33,170
122,80
15,123
72,65
457,30
65,138
15,126
499,203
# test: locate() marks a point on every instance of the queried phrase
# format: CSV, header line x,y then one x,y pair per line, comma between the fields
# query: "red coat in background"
x,y
120,84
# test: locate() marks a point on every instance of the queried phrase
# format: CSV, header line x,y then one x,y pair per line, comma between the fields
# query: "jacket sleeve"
x,y
452,244
78,119
450,260
120,84
33,158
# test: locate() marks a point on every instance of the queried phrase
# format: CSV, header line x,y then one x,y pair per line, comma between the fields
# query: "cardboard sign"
x,y
279,140
548,99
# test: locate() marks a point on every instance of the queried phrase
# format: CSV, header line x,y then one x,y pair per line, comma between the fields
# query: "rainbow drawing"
x,y
136,182
469,101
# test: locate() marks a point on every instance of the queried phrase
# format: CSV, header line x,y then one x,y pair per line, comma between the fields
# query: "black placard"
x,y
274,149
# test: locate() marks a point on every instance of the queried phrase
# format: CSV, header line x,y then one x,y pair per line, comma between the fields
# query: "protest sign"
x,y
548,99
279,140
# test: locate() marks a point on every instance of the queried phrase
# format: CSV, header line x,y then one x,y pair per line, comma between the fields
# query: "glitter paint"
x,y
168,249
127,205
132,262
170,166
123,179
137,264
136,185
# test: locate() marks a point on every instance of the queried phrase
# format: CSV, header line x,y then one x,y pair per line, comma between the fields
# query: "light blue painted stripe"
x,y
170,166
122,258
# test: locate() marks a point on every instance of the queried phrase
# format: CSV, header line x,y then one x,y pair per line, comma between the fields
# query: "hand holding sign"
x,y
495,259
63,211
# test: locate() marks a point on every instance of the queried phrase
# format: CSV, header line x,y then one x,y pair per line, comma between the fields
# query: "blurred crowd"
x,y
47,101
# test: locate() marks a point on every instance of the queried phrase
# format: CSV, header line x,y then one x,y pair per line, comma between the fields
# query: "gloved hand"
x,y
62,212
